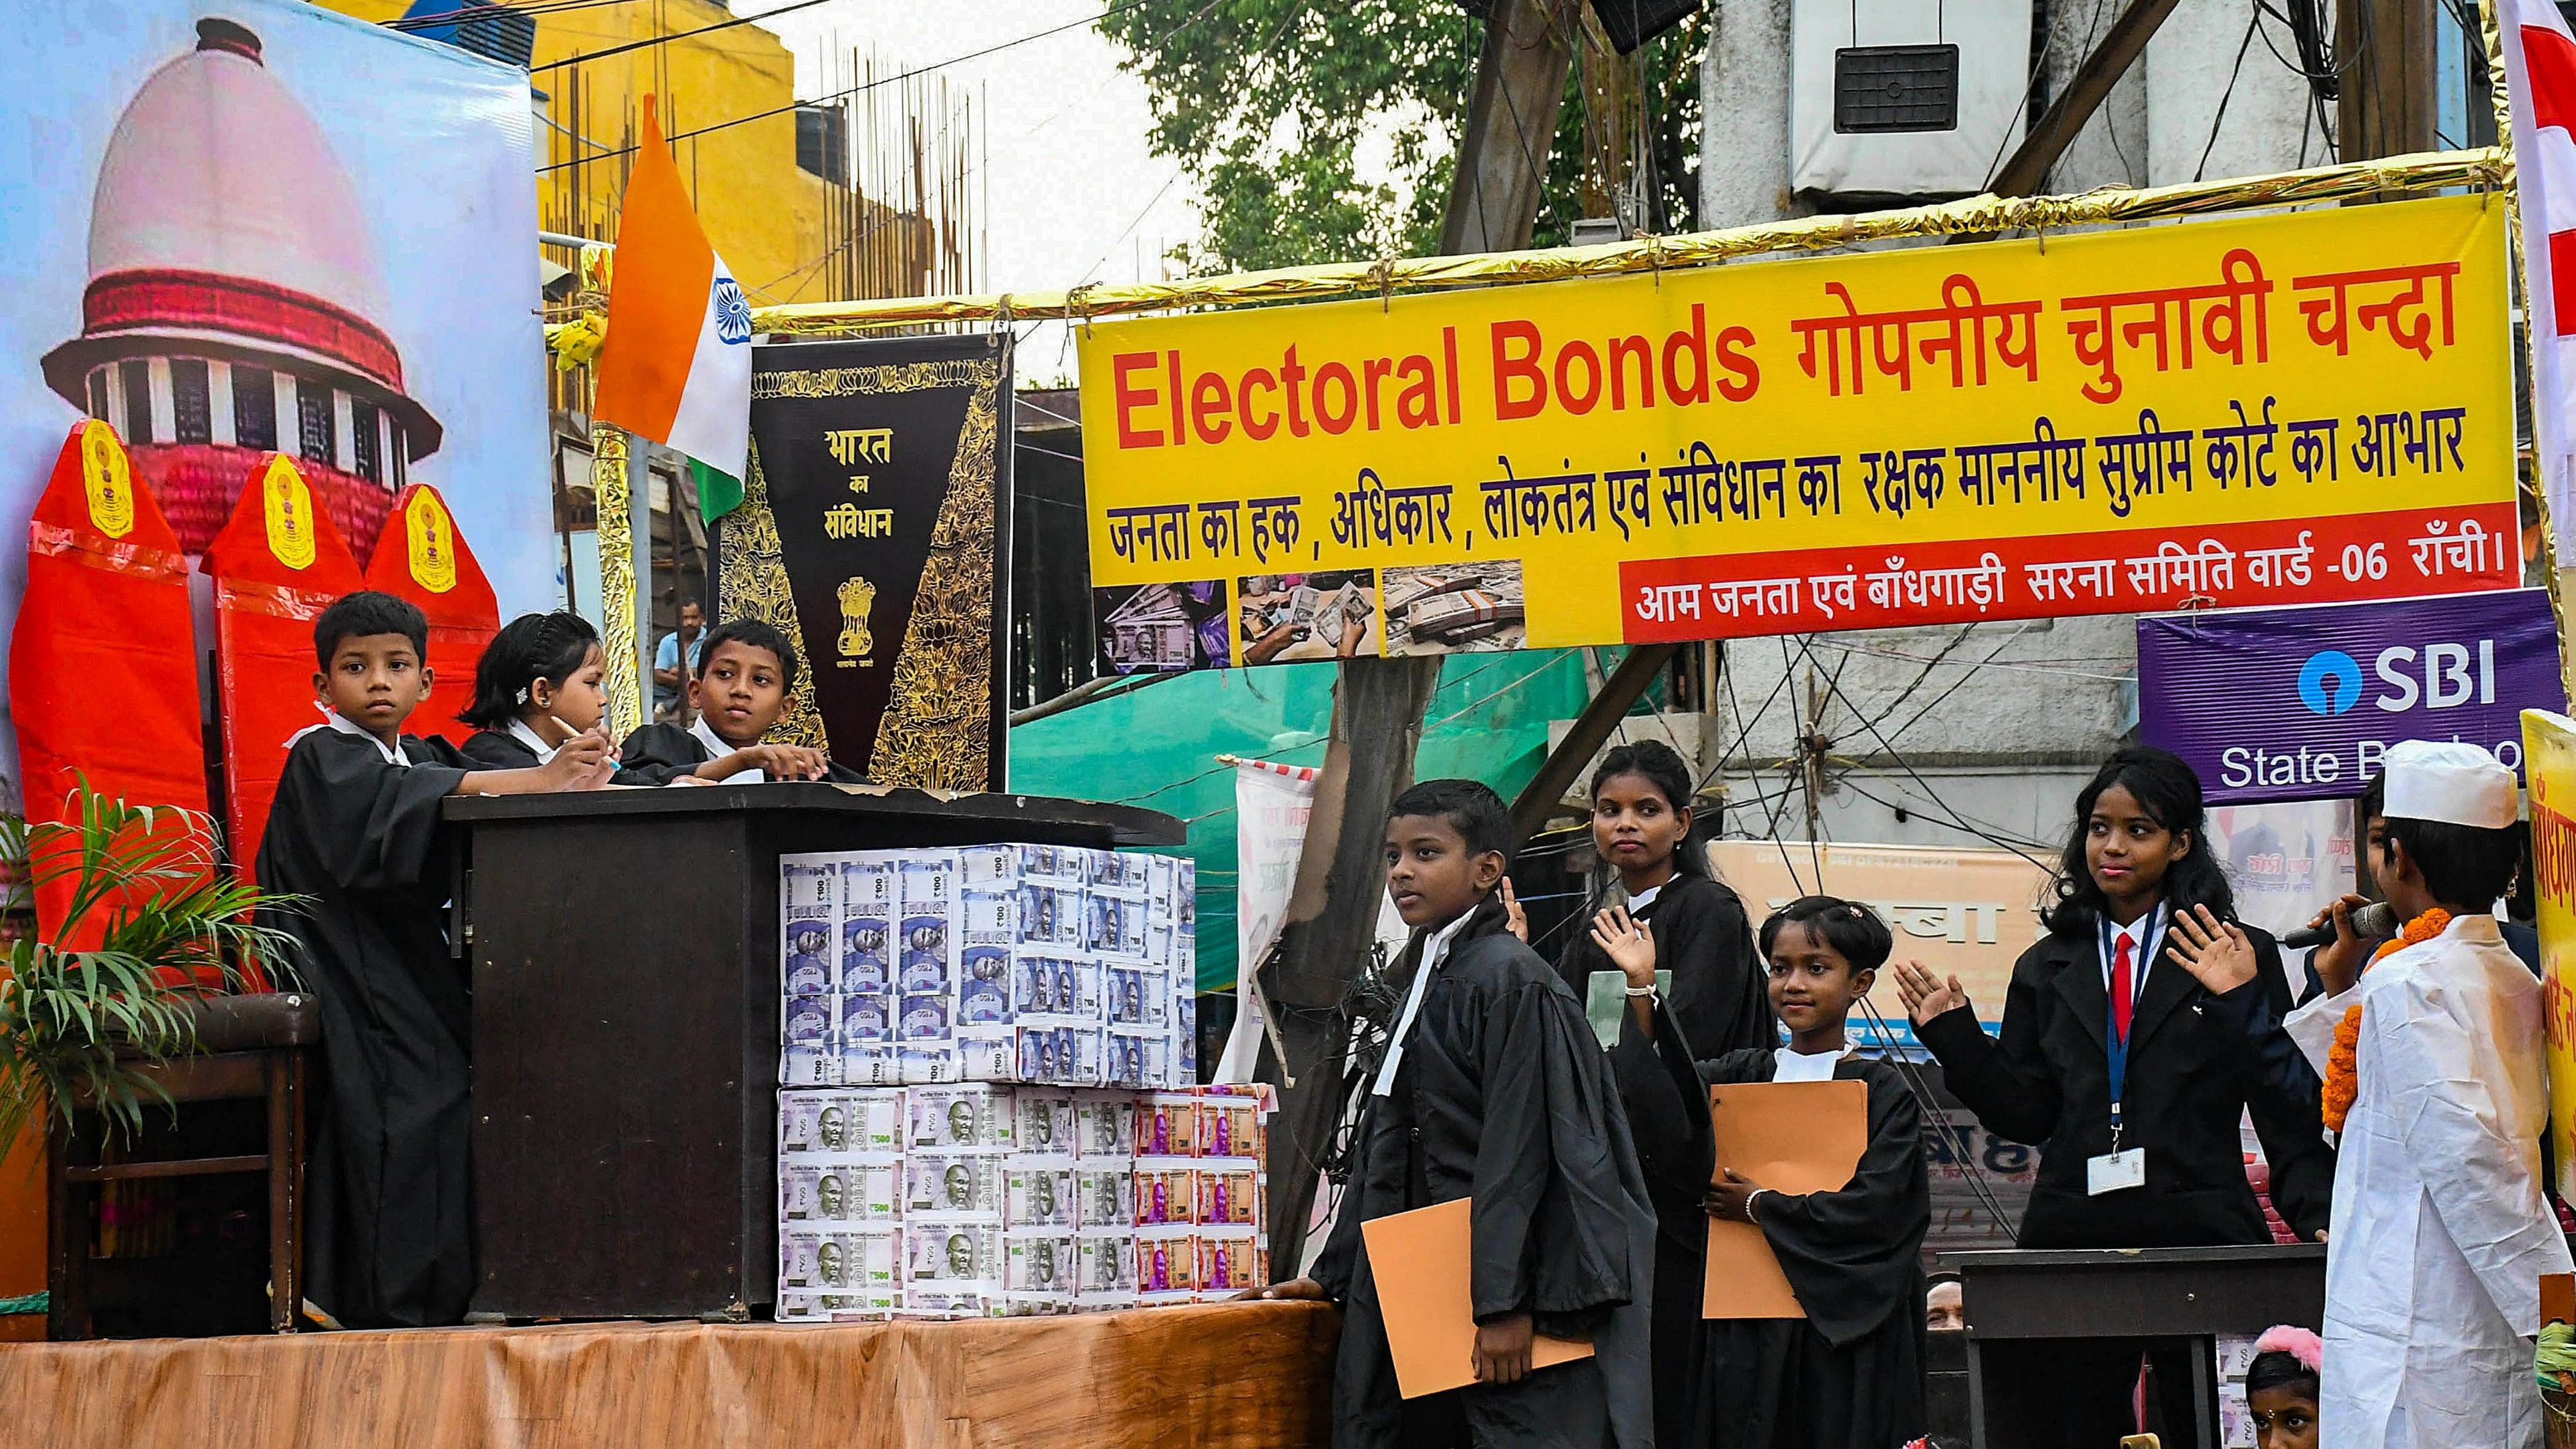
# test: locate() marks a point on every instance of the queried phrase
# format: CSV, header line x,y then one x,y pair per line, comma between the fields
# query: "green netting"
x,y
1157,748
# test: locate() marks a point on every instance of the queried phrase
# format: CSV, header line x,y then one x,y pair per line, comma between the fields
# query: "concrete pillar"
x,y
2111,150
1744,109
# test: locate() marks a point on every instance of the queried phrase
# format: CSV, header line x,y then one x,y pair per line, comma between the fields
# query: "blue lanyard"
x,y
2118,1048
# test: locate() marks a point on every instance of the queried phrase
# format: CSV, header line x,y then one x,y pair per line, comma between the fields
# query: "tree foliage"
x,y
1321,133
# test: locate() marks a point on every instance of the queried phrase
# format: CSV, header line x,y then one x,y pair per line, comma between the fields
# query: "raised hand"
x,y
1926,995
2215,952
1515,920
1628,944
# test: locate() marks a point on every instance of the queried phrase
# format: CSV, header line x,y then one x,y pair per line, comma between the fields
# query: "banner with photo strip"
x,y
2276,409
875,530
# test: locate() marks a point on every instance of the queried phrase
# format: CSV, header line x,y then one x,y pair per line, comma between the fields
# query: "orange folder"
x,y
1791,1137
1422,1266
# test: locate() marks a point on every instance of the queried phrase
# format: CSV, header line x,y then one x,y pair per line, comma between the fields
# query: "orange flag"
x,y
675,366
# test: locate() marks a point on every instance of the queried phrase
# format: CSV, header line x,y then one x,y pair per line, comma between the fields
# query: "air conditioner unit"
x,y
1900,99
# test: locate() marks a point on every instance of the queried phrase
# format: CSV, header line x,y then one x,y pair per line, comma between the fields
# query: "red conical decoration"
x,y
276,566
421,557
102,666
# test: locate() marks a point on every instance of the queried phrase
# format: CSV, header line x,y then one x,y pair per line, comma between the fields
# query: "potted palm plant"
x,y
142,927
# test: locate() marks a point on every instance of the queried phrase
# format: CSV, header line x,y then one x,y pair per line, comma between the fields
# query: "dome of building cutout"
x,y
234,302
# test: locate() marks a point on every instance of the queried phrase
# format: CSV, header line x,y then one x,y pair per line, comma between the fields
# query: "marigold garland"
x,y
2343,1063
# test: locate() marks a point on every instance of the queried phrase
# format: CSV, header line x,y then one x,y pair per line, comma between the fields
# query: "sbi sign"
x,y
2300,703
2330,682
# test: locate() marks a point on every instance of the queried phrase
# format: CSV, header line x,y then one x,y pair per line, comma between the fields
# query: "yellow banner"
x,y
2261,410
2549,753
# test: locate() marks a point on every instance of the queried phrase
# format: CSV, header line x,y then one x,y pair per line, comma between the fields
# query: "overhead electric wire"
x,y
1898,756
1120,8
465,13
1909,1072
2253,23
1965,674
2025,666
650,41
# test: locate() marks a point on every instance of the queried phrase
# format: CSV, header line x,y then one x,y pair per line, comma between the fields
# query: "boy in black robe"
x,y
1493,1089
1850,1374
737,694
355,831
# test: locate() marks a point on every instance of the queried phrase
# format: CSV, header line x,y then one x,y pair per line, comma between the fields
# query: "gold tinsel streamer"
x,y
751,583
1972,216
1975,216
616,577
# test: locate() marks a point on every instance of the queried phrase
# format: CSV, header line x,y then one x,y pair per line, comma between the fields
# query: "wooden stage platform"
x,y
1228,1374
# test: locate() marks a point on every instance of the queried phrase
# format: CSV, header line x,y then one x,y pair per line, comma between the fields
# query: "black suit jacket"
x,y
2196,1062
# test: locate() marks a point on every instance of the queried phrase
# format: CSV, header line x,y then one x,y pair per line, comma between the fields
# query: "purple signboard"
x,y
2299,704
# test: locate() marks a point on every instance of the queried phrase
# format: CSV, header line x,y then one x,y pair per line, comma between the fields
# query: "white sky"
x,y
1074,193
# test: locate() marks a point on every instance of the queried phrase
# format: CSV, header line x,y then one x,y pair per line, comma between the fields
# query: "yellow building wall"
x,y
764,214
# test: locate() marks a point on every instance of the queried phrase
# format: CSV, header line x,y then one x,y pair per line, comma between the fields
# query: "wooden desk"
x,y
624,945
2018,1303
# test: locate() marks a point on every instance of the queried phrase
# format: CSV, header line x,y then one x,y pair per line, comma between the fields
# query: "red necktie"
x,y
2120,991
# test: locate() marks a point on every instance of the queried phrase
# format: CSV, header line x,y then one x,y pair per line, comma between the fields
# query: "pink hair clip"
x,y
2295,1341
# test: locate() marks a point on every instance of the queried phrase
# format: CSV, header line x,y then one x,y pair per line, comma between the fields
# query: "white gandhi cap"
x,y
2451,782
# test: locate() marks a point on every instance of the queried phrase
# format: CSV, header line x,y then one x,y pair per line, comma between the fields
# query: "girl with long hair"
x,y
2132,1071
1641,825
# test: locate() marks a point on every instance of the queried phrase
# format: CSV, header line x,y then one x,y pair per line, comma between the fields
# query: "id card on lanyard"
x,y
2117,1171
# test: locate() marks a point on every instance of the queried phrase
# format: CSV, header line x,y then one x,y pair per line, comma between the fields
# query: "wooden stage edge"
x,y
1221,1374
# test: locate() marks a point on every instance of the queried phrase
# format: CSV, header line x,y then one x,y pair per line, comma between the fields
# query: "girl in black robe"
x,y
1850,1374
1641,823
538,686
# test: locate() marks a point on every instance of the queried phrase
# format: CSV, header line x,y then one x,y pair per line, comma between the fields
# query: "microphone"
x,y
2376,919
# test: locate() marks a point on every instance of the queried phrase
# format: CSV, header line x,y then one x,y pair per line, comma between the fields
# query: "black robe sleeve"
x,y
1667,1116
498,750
1701,933
2282,1094
2007,1083
370,824
657,754
1550,1200
1339,1261
1854,1254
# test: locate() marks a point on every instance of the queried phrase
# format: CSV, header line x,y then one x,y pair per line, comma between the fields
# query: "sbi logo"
x,y
2442,676
2330,682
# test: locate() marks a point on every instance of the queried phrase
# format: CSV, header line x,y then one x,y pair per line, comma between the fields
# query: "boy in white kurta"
x,y
2440,1231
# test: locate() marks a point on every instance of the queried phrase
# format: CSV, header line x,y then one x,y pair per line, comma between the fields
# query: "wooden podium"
x,y
624,950
2021,1306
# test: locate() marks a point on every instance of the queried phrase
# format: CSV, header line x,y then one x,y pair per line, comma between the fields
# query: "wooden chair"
x,y
248,1047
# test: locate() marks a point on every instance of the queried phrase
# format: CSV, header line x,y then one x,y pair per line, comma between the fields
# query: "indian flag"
x,y
676,364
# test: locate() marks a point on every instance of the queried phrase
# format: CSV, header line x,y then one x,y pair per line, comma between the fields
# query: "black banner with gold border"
x,y
875,529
